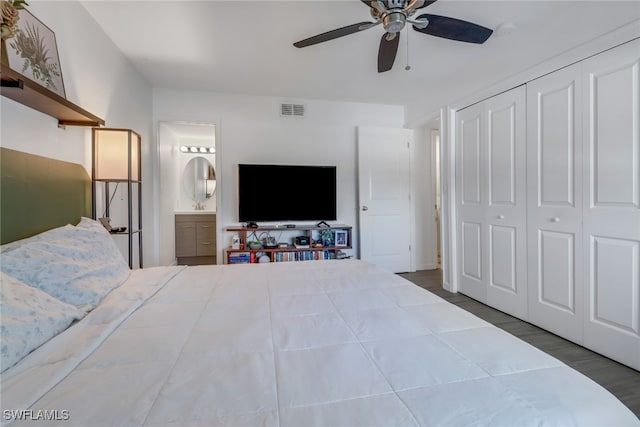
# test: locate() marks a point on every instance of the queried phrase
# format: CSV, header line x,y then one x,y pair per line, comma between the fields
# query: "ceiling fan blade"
x,y
387,52
426,3
454,29
334,34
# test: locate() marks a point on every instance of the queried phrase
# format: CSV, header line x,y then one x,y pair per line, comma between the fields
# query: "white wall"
x,y
169,184
97,78
251,130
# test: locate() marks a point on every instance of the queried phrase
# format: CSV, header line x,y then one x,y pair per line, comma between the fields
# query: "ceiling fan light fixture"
x,y
394,21
396,4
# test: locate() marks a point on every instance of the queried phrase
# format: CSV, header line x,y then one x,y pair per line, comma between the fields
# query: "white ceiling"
x,y
246,47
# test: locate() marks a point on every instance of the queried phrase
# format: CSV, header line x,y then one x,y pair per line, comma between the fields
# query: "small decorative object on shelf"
x,y
235,242
341,238
326,237
10,17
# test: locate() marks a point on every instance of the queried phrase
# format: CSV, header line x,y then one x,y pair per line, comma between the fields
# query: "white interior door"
x,y
505,119
470,202
384,188
554,230
612,203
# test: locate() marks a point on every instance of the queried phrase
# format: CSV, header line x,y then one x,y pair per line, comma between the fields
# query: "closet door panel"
x,y
555,143
612,208
614,272
613,136
556,265
502,155
554,193
505,219
470,201
502,255
470,160
472,251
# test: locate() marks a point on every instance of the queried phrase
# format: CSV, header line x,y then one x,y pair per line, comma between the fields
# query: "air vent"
x,y
292,110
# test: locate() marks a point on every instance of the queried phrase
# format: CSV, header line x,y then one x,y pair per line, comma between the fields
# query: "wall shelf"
x,y
25,91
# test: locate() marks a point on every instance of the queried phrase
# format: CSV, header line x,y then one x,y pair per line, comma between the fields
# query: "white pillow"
x,y
29,318
79,266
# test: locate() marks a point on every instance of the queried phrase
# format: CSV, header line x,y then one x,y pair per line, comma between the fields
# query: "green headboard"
x,y
38,193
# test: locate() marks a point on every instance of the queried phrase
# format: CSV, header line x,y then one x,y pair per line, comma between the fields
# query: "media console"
x,y
323,243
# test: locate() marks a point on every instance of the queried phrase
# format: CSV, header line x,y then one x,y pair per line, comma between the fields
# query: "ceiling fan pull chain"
x,y
408,67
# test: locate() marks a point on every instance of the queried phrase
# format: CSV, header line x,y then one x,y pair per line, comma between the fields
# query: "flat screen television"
x,y
286,193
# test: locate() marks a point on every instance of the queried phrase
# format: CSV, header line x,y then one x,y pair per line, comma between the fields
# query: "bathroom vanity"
x,y
196,238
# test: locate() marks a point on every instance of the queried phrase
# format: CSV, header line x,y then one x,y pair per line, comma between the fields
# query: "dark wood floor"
x,y
622,381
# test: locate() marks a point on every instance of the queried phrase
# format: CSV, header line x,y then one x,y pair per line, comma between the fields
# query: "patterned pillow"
x,y
79,266
29,318
49,234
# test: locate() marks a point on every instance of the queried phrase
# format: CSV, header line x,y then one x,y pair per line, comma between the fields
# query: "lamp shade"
x,y
114,151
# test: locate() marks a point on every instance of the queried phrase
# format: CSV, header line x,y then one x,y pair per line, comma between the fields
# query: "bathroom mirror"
x,y
199,179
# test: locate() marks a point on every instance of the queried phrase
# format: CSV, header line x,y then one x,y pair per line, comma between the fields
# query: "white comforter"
x,y
323,343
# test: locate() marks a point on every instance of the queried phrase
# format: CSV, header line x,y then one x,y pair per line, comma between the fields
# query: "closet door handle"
x,y
500,217
365,208
555,219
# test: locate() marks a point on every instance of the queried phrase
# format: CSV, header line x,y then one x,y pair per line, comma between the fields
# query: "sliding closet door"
x,y
612,203
470,201
554,181
505,213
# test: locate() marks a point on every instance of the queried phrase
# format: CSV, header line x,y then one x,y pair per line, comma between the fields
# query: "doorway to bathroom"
x,y
188,196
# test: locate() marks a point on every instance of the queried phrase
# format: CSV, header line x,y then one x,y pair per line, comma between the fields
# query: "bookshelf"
x,y
316,249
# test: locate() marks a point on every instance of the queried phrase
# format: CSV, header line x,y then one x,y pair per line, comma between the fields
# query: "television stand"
x,y
328,243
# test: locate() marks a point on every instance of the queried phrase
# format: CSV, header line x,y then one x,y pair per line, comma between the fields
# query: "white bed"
x,y
326,343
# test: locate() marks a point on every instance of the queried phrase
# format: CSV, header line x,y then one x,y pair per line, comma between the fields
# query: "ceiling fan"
x,y
394,15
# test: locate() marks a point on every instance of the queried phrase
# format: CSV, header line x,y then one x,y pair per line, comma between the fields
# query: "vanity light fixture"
x,y
194,149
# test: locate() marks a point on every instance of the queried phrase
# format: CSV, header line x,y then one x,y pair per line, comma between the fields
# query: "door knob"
x,y
556,219
500,217
365,208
